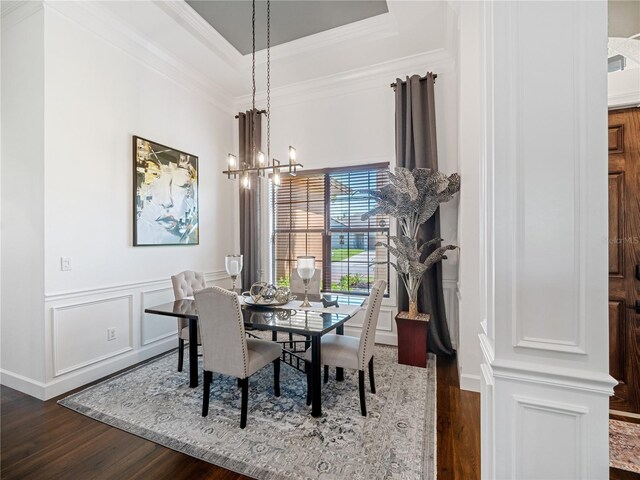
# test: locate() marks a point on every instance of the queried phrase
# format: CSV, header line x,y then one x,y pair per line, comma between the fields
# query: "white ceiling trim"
x,y
373,28
185,16
377,27
374,76
95,18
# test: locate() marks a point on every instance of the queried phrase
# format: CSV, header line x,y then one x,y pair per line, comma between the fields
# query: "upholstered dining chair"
x,y
351,352
227,350
184,285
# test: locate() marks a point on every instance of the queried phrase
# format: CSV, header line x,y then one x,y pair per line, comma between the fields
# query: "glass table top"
x,y
308,322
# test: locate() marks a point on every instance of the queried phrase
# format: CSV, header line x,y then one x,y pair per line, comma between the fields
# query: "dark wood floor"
x,y
42,440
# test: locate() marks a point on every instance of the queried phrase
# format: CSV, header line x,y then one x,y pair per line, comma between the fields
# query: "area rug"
x,y
281,440
624,445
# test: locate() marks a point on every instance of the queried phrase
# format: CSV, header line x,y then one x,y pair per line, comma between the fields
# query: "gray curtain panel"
x,y
416,148
249,200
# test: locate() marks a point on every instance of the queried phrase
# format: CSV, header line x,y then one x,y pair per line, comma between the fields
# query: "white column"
x,y
545,385
22,328
469,221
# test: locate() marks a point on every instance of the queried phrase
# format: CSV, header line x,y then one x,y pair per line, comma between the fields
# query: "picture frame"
x,y
165,195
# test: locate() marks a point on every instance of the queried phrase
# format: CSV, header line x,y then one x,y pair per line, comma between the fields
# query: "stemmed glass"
x,y
306,268
233,264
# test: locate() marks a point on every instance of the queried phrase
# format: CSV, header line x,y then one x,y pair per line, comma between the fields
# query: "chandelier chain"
x,y
253,81
268,80
249,164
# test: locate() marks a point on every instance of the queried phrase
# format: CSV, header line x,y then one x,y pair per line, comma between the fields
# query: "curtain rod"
x,y
393,85
260,112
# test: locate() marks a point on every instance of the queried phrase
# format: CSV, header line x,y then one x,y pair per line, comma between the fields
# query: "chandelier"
x,y
259,164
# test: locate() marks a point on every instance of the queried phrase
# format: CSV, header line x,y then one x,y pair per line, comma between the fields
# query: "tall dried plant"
x,y
412,197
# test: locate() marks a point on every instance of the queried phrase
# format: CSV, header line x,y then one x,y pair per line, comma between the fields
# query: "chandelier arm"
x,y
250,165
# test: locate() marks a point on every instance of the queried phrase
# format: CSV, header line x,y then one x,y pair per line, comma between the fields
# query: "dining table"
x,y
310,322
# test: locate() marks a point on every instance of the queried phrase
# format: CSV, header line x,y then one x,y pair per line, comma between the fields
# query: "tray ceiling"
x,y
289,20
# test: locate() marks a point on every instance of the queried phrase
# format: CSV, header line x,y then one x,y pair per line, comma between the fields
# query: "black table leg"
x,y
193,353
316,380
340,371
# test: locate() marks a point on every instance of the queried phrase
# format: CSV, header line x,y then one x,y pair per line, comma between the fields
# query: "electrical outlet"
x,y
111,334
65,264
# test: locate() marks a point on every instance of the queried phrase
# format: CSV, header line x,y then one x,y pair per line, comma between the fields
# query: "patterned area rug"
x,y
624,445
281,440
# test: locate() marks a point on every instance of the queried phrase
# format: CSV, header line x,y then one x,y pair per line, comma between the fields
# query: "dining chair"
x,y
344,351
227,350
184,285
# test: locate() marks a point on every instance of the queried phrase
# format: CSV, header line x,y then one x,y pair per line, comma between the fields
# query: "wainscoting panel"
x,y
80,332
385,320
156,327
563,452
77,345
549,311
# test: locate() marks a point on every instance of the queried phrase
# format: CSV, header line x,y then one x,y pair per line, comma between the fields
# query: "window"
x,y
319,213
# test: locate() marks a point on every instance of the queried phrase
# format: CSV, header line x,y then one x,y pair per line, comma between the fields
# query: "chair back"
x,y
224,345
368,335
296,285
187,282
184,284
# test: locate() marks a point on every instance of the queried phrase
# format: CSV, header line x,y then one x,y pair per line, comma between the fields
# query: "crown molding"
x,y
359,79
14,12
185,16
372,28
95,18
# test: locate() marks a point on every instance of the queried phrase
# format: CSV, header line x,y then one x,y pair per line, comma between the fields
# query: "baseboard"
x,y
85,376
23,384
470,382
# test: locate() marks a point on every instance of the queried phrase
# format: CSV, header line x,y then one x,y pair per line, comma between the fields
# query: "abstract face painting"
x,y
166,195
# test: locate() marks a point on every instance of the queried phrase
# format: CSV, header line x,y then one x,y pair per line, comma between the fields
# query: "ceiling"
x,y
175,33
289,20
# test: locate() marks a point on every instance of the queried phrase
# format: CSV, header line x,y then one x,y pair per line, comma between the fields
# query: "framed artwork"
x,y
165,195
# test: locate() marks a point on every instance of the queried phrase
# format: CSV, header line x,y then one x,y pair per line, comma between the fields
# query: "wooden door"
x,y
624,258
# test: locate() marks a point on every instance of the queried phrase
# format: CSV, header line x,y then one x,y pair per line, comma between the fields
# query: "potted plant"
x,y
412,197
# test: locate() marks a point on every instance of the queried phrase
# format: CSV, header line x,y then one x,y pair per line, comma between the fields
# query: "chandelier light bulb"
x,y
292,154
261,159
276,179
232,162
246,183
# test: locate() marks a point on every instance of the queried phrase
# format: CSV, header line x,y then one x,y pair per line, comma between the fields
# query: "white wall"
x,y
469,63
349,120
94,96
545,385
23,196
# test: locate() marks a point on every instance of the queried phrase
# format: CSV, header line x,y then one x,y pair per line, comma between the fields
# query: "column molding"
x,y
545,384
